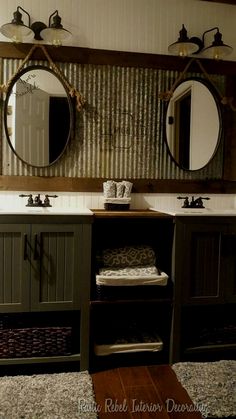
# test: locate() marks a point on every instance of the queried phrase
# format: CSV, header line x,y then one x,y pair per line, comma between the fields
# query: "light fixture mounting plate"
x,y
37,27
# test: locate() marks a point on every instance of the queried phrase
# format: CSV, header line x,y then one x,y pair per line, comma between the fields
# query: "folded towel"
x,y
120,188
112,189
131,276
128,188
130,271
126,256
109,189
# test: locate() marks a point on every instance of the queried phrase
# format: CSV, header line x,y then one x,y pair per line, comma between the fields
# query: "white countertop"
x,y
45,211
197,212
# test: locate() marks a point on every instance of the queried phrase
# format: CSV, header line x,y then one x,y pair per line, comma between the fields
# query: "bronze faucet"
x,y
37,201
194,203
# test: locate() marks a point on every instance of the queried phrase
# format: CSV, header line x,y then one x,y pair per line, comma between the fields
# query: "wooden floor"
x,y
142,392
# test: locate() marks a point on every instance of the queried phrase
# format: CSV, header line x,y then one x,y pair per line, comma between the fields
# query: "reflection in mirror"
x,y
38,116
193,125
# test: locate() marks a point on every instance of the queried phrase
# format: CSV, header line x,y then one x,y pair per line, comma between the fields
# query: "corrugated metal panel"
x,y
120,133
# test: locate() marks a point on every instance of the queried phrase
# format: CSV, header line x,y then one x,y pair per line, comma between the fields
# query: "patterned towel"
x,y
112,189
130,271
128,256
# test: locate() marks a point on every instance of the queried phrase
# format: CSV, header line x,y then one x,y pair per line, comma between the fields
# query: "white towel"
x,y
131,276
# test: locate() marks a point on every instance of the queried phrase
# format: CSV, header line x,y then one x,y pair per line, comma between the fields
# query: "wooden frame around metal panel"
x,y
92,56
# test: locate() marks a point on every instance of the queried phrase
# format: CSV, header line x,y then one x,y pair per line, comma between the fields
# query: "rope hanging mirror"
x,y
73,92
166,96
39,111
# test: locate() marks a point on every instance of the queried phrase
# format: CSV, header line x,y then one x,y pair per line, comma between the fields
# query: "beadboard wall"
x,y
147,26
130,25
83,200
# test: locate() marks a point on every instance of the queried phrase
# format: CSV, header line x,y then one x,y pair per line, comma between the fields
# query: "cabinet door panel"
x,y
56,281
198,267
14,267
228,266
205,282
205,276
56,266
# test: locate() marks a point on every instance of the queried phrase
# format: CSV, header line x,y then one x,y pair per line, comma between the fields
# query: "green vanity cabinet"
x,y
205,259
205,287
14,268
45,264
41,266
56,259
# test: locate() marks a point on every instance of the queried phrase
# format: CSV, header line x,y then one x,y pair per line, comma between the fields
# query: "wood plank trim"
x,y
222,1
37,183
108,57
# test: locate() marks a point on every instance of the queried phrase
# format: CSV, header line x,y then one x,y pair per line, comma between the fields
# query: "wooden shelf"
x,y
209,348
40,360
139,213
133,301
122,310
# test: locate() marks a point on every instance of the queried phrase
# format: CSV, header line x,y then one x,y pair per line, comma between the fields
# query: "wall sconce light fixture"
x,y
55,34
186,46
183,46
18,32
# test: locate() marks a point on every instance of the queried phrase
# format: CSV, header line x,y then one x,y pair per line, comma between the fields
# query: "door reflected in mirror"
x,y
193,125
38,116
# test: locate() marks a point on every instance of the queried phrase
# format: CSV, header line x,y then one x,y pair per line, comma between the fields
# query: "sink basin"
x,y
69,211
205,211
47,211
198,211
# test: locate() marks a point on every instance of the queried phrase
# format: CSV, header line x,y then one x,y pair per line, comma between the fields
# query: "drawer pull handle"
x,y
25,246
35,247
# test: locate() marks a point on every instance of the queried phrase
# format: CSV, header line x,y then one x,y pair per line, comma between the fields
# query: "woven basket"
x,y
104,292
116,207
32,342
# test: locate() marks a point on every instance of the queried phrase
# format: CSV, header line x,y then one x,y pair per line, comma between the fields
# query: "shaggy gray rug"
x,y
47,396
211,386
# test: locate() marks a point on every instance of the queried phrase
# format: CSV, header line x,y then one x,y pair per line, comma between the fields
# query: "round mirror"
x,y
193,124
38,116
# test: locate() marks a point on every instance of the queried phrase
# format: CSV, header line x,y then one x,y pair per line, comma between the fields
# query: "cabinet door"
x,y
228,264
56,267
199,269
14,267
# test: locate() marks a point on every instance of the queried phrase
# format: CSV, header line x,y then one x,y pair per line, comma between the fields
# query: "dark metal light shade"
x,y
55,34
17,33
184,46
16,30
217,49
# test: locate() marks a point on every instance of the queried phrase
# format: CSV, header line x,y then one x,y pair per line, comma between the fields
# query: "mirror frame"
x,y
216,98
5,113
